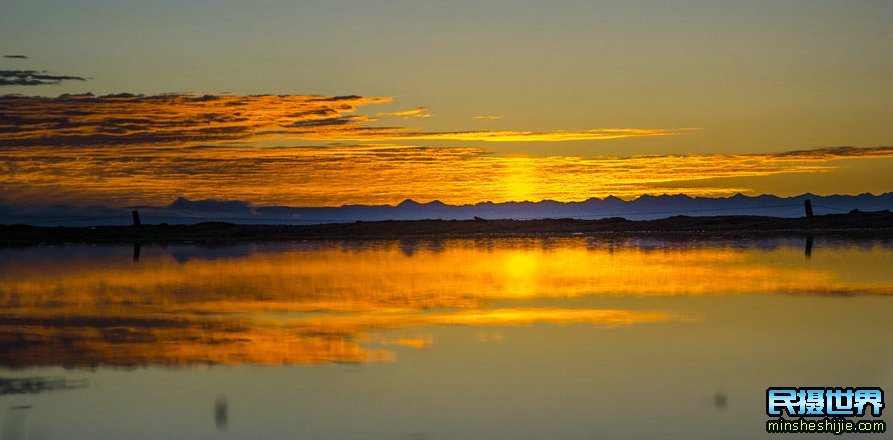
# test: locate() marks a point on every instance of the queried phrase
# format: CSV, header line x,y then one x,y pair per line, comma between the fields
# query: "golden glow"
x,y
418,112
374,174
328,302
518,180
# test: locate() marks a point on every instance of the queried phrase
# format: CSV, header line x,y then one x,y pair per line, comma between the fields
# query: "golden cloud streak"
x,y
377,174
497,136
181,119
418,112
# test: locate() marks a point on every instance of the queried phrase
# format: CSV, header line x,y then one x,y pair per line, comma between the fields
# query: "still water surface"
x,y
457,339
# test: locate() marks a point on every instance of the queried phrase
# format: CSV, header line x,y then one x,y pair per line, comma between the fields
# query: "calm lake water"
x,y
575,338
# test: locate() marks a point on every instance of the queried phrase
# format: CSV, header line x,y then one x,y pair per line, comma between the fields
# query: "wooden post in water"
x,y
136,217
221,413
808,205
807,250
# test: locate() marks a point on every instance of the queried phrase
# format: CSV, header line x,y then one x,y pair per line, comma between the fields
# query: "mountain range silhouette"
x,y
646,207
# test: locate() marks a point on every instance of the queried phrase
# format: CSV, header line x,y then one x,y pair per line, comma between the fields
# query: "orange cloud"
x,y
181,119
373,174
487,117
175,119
128,149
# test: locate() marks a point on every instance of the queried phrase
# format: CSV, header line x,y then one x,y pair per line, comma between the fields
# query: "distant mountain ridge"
x,y
644,208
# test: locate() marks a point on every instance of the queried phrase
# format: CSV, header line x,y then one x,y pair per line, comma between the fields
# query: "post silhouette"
x,y
136,217
807,249
808,205
221,413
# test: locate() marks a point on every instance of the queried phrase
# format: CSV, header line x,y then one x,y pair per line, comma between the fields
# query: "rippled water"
x,y
454,339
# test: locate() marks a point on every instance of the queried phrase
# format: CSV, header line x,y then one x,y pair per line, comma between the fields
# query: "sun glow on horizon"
x,y
378,174
122,150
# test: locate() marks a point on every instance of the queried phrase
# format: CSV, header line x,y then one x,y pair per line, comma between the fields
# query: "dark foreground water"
x,y
456,339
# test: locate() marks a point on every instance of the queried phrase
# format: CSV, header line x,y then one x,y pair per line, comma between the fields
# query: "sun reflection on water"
x,y
82,306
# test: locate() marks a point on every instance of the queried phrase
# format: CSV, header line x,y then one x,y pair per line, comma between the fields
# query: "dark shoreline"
x,y
855,225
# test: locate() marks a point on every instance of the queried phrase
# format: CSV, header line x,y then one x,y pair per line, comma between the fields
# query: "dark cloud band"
x,y
32,77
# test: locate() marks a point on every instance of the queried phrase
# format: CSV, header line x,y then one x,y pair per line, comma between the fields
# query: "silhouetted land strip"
x,y
851,224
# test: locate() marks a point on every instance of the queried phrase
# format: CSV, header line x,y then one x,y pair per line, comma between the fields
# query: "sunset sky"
x,y
324,103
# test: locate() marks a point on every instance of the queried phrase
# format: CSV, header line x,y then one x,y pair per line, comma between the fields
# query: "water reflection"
x,y
221,413
14,422
36,385
322,302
